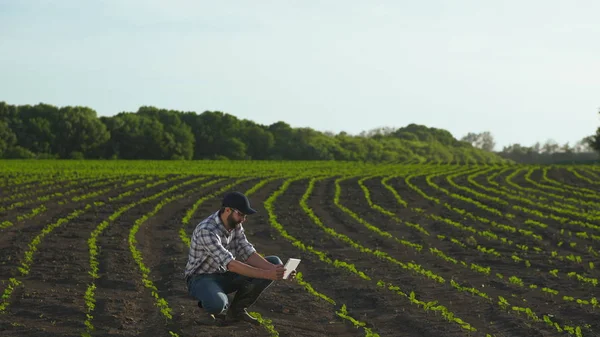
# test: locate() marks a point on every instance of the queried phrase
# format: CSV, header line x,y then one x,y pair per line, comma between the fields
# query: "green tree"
x,y
285,146
7,138
34,132
45,131
352,146
395,150
178,140
78,132
213,133
427,134
231,148
135,137
259,141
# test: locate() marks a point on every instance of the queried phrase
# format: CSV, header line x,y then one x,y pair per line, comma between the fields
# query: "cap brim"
x,y
249,211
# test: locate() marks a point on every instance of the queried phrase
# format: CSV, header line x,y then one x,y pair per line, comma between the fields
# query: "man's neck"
x,y
221,216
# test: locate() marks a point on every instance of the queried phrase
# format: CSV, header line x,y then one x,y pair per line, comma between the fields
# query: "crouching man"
x,y
222,261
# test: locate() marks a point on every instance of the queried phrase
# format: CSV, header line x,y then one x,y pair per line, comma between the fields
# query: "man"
x,y
222,261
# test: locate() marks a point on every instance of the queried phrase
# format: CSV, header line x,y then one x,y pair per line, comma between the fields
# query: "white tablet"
x,y
290,266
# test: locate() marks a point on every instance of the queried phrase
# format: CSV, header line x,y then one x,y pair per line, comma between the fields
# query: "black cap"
x,y
238,201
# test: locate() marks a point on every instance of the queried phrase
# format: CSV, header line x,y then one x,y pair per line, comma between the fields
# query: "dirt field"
x,y
488,251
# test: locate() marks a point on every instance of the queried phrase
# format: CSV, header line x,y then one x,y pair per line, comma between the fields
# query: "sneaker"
x,y
235,317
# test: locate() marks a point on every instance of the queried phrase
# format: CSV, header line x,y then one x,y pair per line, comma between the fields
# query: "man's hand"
x,y
276,272
292,276
276,267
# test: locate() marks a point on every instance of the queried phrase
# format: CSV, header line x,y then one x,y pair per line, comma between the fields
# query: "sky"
x,y
526,71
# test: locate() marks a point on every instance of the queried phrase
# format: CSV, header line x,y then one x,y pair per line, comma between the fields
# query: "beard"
x,y
231,223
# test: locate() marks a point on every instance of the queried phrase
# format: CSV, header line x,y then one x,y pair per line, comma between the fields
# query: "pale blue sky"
x,y
525,70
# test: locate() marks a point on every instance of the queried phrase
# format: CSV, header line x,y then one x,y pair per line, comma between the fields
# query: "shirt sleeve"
x,y
214,247
243,248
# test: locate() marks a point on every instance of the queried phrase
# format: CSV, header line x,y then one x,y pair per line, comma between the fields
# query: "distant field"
x,y
98,247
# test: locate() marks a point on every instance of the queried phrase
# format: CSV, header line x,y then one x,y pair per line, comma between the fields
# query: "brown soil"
x,y
50,301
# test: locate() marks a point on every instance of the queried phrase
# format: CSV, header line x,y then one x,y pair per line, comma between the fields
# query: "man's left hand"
x,y
292,276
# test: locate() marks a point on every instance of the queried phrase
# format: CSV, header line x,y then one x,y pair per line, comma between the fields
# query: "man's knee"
x,y
273,259
216,303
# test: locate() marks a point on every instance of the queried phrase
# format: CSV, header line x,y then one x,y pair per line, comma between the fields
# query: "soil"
x,y
50,300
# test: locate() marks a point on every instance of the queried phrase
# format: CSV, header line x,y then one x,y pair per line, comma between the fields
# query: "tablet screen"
x,y
290,265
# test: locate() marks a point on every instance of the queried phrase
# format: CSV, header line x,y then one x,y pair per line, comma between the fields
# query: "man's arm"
x,y
214,247
275,272
256,260
254,265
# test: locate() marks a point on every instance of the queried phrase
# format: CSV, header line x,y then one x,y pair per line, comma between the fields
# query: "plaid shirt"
x,y
212,247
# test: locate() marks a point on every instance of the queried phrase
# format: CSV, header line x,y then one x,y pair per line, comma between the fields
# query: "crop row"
x,y
27,259
542,210
539,224
508,182
263,321
475,267
416,268
491,210
41,209
349,267
94,248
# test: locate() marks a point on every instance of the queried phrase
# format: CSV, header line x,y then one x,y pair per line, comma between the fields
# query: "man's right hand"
x,y
276,273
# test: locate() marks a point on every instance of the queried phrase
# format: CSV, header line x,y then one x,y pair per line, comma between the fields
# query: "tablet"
x,y
290,265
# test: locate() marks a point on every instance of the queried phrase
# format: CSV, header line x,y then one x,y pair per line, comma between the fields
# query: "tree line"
x,y
551,152
76,132
586,150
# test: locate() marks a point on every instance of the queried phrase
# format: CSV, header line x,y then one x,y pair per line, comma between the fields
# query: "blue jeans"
x,y
211,289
